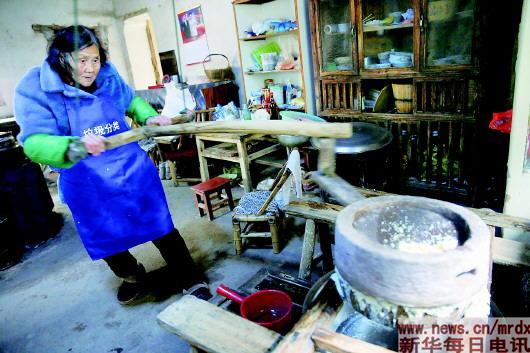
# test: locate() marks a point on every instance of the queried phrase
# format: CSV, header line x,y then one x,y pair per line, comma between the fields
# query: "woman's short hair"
x,y
64,42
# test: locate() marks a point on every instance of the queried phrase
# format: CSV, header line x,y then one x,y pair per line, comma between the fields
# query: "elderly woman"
x,y
66,108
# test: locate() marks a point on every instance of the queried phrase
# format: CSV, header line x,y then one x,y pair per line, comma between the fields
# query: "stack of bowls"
x,y
400,59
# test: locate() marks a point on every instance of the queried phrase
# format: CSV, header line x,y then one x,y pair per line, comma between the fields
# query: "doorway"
x,y
142,50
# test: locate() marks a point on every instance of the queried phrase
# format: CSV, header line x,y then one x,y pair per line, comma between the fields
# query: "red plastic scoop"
x,y
268,308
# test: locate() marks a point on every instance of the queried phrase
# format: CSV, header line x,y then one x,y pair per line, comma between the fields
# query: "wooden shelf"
x,y
270,72
386,28
265,36
250,2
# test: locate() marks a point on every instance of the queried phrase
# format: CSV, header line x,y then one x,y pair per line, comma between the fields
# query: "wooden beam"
x,y
342,191
507,252
298,340
274,127
337,343
491,217
213,329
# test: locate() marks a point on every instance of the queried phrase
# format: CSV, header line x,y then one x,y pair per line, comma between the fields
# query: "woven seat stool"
x,y
247,212
209,190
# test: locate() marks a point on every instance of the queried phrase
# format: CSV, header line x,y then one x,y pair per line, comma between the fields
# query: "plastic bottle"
x,y
245,112
288,92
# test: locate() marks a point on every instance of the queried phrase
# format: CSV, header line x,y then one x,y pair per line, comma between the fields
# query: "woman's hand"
x,y
159,120
94,144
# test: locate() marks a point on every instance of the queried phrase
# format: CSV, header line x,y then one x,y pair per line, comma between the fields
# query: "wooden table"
x,y
233,148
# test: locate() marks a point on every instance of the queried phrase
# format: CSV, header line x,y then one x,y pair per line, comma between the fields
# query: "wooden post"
x,y
244,163
274,234
308,249
203,162
237,235
326,157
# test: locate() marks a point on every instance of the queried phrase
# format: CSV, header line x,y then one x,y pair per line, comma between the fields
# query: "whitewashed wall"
x,y
517,202
22,48
220,32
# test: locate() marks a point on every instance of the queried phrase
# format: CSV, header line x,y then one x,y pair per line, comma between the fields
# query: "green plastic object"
x,y
296,140
271,47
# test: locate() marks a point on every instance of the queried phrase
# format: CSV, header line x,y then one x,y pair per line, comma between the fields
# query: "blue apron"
x,y
116,199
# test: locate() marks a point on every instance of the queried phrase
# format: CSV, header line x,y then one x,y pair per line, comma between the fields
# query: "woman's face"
x,y
86,65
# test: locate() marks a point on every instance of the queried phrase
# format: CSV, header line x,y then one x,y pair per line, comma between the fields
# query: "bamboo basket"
x,y
215,73
404,106
402,91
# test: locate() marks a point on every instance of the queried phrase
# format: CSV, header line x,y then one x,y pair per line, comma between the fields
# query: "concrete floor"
x,y
59,300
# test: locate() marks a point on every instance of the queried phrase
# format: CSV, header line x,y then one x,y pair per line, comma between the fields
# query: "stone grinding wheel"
x,y
368,233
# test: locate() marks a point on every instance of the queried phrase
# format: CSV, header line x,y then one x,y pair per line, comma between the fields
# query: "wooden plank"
x,y
271,161
298,340
510,252
269,35
226,148
256,235
213,329
264,151
273,127
338,343
505,251
219,155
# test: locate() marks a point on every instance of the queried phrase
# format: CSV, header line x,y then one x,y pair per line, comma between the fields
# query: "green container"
x,y
271,47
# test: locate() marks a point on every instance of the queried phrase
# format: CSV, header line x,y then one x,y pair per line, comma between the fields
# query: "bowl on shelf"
x,y
384,57
343,60
384,101
379,66
400,57
296,140
409,64
345,67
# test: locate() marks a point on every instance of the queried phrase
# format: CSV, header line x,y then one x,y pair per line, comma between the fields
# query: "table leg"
x,y
203,162
244,163
308,249
326,238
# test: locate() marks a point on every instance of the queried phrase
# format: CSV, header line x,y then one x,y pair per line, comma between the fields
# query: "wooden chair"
x,y
259,206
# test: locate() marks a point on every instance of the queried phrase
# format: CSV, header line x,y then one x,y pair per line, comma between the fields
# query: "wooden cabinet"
x,y
251,15
363,48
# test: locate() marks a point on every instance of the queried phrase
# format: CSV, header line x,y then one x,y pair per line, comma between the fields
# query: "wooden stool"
x,y
204,190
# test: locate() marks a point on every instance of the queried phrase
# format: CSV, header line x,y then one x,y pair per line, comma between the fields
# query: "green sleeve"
x,y
139,110
48,149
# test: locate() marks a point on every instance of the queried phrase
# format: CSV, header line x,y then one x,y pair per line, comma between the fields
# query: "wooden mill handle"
x,y
272,127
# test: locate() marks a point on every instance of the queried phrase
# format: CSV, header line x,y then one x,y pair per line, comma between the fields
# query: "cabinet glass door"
x,y
449,32
388,34
336,35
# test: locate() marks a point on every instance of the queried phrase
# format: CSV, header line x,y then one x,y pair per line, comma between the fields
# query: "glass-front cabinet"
x,y
393,36
387,32
449,33
337,36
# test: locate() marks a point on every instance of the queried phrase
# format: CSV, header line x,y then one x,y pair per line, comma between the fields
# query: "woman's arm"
x,y
40,134
49,149
140,110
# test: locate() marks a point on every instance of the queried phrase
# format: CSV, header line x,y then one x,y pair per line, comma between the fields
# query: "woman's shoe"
x,y
133,287
130,292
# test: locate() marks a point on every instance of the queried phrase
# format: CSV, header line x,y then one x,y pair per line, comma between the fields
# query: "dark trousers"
x,y
175,253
